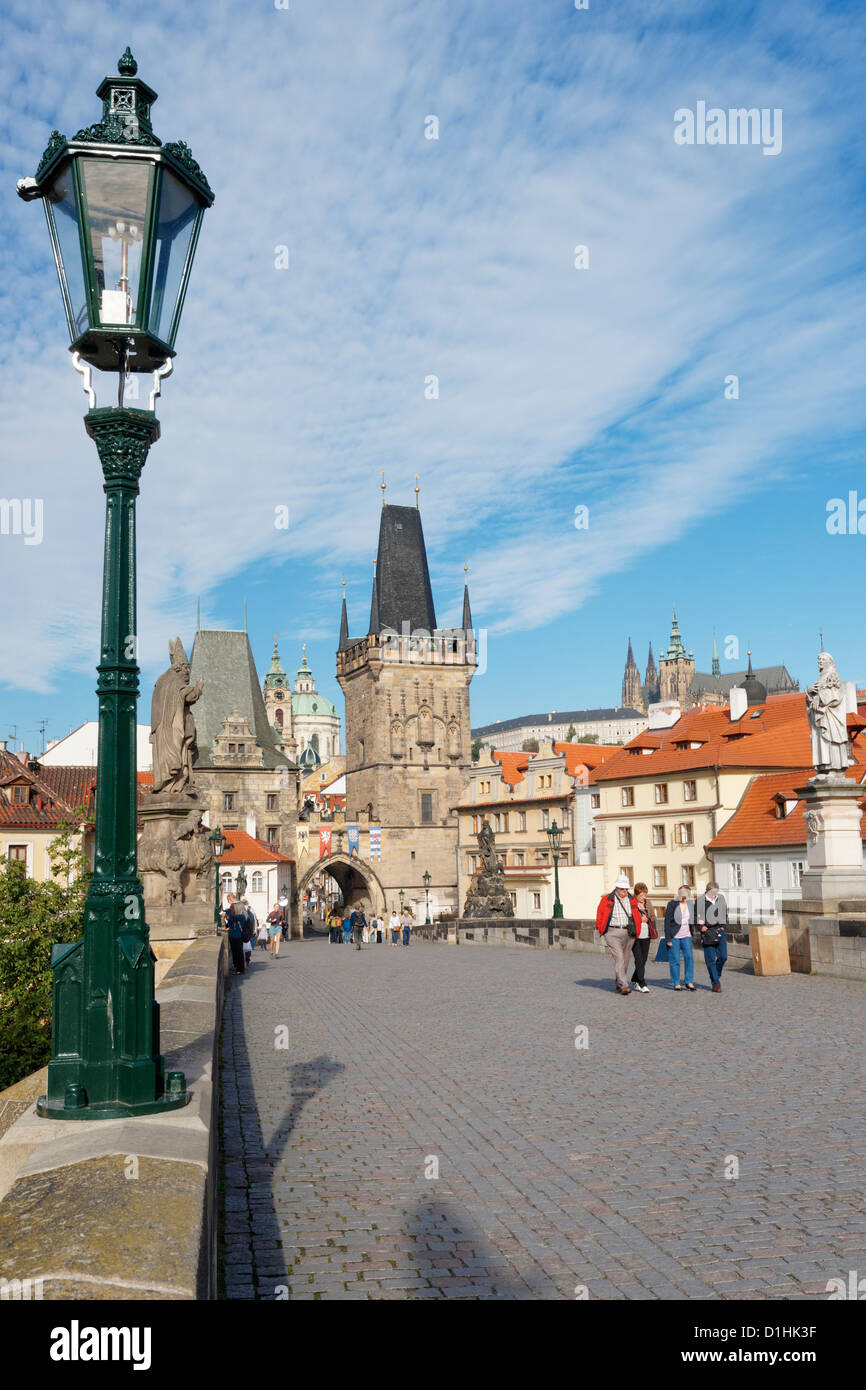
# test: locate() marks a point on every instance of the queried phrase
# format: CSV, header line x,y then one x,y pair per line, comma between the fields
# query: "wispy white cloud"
x,y
453,257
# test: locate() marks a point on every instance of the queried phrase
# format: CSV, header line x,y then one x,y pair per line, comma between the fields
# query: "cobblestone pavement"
x,y
564,1172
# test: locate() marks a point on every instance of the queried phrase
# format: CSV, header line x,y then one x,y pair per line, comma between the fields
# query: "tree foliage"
x,y
477,745
33,916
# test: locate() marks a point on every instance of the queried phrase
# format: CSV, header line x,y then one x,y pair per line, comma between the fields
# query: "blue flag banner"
x,y
375,842
353,837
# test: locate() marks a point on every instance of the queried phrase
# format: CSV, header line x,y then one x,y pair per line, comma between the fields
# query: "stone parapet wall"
x,y
125,1209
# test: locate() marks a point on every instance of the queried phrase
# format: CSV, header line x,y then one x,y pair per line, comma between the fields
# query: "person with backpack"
x,y
250,929
359,927
712,918
618,920
235,919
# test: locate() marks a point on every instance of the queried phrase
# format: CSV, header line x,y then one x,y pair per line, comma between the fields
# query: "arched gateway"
x,y
357,882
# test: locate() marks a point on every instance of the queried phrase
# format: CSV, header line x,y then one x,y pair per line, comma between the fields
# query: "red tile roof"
x,y
754,824
514,766
775,735
58,795
580,756
241,848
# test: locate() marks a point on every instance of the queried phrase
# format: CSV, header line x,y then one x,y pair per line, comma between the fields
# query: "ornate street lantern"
x,y
554,836
218,844
426,877
124,213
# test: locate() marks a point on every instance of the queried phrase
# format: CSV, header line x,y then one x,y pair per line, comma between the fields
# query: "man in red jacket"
x,y
618,921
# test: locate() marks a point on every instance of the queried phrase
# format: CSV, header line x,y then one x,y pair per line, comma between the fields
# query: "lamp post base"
x,y
110,1110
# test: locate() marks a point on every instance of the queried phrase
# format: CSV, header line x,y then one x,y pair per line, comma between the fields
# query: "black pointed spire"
x,y
344,623
402,590
375,621
467,611
630,661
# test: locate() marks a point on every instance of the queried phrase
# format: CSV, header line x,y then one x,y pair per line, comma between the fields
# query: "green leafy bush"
x,y
32,917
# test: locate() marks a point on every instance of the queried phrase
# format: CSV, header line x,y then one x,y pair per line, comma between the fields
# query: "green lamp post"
x,y
554,835
426,877
123,212
218,844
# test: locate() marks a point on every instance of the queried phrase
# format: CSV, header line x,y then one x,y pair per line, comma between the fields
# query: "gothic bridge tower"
x,y
408,746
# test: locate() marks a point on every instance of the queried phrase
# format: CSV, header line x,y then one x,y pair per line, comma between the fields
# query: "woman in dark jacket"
x,y
236,917
646,933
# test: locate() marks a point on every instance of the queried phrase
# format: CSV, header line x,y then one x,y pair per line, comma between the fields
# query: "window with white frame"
x,y
258,883
689,875
536,902
685,833
660,876
658,835
735,875
519,858
625,837
544,819
660,792
798,868
628,796
765,873
521,820
690,791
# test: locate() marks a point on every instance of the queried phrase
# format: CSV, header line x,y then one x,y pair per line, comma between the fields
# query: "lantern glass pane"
x,y
116,192
64,212
176,217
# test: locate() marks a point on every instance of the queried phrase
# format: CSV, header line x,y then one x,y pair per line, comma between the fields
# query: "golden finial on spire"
x,y
382,486
417,489
374,564
466,567
343,582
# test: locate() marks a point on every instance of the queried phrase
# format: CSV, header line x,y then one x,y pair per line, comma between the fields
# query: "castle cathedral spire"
x,y
717,670
632,695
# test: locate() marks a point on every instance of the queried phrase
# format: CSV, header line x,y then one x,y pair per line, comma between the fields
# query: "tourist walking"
x,y
375,933
618,921
335,927
264,932
284,917
712,918
275,927
679,920
347,930
407,926
250,929
235,917
394,924
645,934
358,930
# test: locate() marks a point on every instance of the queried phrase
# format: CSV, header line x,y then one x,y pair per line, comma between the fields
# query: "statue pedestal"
x,y
488,896
835,846
176,867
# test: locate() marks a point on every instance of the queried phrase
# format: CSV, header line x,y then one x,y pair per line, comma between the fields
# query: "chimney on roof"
x,y
739,702
2,745
251,824
664,714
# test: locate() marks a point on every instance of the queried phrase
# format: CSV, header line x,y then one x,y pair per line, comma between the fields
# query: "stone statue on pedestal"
x,y
172,727
826,705
488,897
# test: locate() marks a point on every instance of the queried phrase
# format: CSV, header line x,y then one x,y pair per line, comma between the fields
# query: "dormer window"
x,y
21,795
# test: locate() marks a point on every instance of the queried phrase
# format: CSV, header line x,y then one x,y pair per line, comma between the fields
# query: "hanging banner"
x,y
353,838
375,842
324,841
303,841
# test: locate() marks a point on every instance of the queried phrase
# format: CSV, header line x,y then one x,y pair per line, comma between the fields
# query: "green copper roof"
x,y
276,675
311,703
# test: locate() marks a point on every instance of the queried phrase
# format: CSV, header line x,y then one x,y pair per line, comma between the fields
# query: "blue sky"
x,y
559,387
